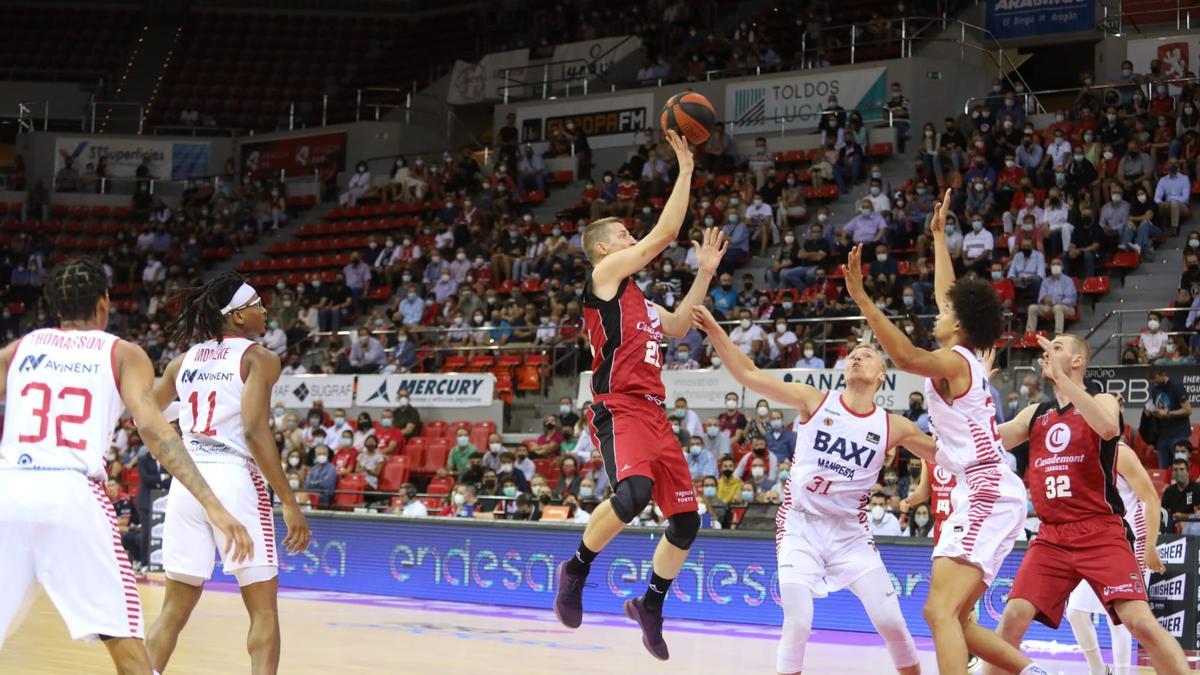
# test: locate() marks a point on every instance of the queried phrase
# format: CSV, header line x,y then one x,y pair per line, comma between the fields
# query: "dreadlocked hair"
x,y
74,287
200,317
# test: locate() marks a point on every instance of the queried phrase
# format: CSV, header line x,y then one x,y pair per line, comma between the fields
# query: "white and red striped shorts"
x,y
986,518
58,530
190,542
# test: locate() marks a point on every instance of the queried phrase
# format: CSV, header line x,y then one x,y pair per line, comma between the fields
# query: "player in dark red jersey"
x,y
1072,479
626,419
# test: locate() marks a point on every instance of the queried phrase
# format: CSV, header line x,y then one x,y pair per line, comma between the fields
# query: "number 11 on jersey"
x,y
194,400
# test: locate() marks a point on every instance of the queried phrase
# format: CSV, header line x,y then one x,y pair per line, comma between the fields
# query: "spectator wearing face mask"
x,y
682,359
1026,270
716,440
322,477
700,461
358,187
978,245
549,442
1136,169
345,457
1057,296
880,522
748,336
728,484
732,421
917,412
760,424
275,339
758,450
1172,195
569,481
713,505
1140,229
781,343
366,353
463,502
868,227
921,525
780,439
738,234
459,459
371,461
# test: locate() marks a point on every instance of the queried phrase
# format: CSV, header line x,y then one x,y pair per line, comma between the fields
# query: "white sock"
x,y
1085,636
1122,648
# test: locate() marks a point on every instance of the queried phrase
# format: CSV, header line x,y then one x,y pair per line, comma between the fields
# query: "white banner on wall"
x,y
609,122
1178,54
801,97
484,81
299,391
166,159
582,60
442,390
707,388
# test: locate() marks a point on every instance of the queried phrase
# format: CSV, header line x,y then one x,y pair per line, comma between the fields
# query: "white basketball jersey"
x,y
965,428
63,401
837,459
209,385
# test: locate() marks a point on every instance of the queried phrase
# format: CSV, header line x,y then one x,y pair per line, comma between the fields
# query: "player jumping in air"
x,y
1073,482
989,500
626,419
64,389
223,383
822,538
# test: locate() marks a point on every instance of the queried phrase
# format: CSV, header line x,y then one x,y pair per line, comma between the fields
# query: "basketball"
x,y
691,115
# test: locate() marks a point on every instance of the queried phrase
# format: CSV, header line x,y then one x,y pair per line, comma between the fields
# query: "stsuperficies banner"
x,y
729,576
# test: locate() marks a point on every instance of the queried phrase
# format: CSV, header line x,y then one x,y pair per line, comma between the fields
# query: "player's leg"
x,y
952,583
180,595
261,599
1082,604
879,598
1122,646
1165,653
128,655
189,553
630,496
1018,614
797,600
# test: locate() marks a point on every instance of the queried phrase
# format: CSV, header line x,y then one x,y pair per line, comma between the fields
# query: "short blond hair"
x,y
1079,346
596,232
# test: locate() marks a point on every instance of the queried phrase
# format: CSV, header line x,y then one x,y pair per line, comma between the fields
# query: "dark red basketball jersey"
x,y
625,333
1072,473
941,484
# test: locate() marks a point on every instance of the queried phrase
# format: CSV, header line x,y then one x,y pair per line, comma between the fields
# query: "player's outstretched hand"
x,y
853,273
297,529
988,356
704,320
239,547
709,254
1050,369
937,224
683,154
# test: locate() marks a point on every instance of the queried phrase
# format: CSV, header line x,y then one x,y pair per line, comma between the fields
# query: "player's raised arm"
x,y
943,266
802,397
1135,474
1016,431
905,433
708,256
263,365
1101,412
615,267
905,355
920,493
136,378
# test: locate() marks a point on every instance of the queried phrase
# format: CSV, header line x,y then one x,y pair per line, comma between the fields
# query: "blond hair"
x,y
596,232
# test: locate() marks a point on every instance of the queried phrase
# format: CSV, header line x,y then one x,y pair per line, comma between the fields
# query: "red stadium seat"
x,y
437,451
434,429
440,485
414,450
347,486
394,474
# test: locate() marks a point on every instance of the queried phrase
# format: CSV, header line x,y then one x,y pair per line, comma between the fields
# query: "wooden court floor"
x,y
328,633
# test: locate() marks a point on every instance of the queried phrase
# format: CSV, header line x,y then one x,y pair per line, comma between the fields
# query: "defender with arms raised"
x,y
988,509
822,542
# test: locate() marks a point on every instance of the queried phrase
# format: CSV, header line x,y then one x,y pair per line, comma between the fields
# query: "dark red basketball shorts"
x,y
1095,550
635,439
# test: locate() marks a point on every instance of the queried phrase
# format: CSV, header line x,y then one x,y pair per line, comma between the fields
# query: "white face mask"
x,y
1056,270
459,499
321,459
877,512
506,468
757,471
762,410
293,461
745,324
808,353
731,405
1152,324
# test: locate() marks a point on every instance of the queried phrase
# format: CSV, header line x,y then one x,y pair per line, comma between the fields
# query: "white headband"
x,y
239,299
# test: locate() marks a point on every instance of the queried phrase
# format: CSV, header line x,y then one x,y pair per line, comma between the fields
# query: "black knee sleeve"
x,y
682,529
631,496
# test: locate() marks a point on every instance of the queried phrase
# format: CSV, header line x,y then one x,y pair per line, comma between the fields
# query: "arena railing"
x,y
162,187
1115,88
1117,20
1120,333
905,31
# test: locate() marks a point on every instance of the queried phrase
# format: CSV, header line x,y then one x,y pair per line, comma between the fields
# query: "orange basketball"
x,y
691,115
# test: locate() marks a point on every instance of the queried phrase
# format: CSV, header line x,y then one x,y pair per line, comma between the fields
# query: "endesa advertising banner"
x,y
729,576
294,155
